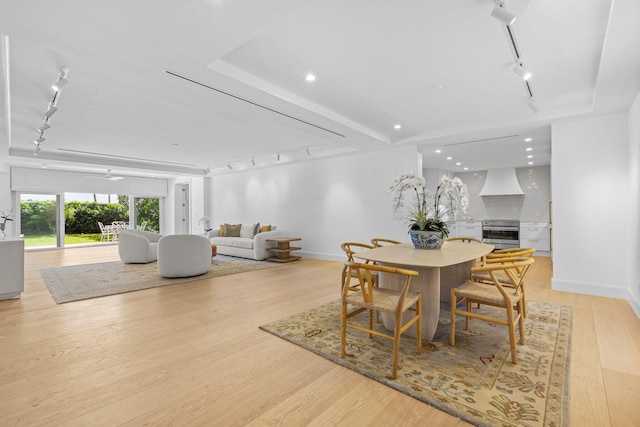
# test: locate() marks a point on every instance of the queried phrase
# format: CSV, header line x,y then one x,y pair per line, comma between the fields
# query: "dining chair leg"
x,y
521,320
419,323
396,346
452,332
467,318
512,334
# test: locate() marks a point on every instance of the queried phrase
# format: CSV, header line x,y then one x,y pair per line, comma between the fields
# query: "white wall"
x,y
325,202
634,224
591,199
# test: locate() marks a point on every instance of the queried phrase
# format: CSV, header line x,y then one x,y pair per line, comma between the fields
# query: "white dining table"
x,y
439,271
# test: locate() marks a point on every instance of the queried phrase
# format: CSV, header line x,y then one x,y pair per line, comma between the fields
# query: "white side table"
x,y
11,267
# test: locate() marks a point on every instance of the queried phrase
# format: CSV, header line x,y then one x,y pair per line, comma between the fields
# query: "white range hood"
x,y
501,182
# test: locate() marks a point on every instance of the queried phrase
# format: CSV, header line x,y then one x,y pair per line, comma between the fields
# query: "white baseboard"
x,y
595,289
634,301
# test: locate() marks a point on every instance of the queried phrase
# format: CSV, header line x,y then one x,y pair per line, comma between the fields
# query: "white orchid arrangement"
x,y
5,215
422,215
207,223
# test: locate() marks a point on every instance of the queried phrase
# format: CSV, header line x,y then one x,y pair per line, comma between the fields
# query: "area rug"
x,y
475,380
79,282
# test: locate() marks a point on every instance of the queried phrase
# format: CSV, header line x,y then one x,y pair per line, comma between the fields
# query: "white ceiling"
x,y
178,87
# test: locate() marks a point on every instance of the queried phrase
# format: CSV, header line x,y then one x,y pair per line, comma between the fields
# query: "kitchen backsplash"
x,y
533,205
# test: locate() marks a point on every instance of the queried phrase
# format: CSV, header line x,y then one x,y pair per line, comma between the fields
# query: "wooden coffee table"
x,y
283,249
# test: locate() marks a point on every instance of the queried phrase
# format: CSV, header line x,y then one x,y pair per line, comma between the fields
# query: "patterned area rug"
x,y
79,282
475,380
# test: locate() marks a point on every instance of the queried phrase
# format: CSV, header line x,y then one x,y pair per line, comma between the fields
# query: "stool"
x,y
214,250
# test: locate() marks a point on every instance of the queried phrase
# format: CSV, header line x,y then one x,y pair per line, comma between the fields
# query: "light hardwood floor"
x,y
192,354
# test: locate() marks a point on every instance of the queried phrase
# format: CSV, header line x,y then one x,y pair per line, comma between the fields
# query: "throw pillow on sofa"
x,y
232,230
248,231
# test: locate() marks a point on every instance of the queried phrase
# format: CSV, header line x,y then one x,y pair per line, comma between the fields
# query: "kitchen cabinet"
x,y
453,228
535,234
470,229
11,268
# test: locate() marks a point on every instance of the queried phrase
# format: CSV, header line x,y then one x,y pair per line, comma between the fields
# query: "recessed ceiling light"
x,y
529,149
458,164
310,77
530,156
438,151
530,163
527,139
449,158
398,126
466,168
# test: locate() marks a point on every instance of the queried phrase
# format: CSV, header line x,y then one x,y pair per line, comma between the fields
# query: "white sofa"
x,y
183,255
247,245
137,246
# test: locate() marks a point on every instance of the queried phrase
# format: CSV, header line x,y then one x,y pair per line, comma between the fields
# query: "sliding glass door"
x,y
147,213
39,220
91,218
54,220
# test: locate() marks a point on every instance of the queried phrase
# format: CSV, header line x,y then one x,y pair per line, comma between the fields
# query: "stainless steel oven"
x,y
502,233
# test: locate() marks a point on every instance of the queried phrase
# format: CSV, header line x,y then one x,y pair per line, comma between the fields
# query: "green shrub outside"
x,y
38,217
83,217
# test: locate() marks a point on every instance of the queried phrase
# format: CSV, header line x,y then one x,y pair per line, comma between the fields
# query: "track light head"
x,y
307,151
37,150
229,166
278,157
533,105
39,140
42,128
50,112
59,84
501,13
253,162
521,71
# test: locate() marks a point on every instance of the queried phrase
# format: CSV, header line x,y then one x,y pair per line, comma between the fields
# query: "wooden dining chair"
x,y
464,239
510,298
484,277
379,242
370,299
350,249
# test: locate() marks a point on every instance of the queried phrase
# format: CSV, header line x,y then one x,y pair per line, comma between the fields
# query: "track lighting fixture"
x,y
253,162
307,151
278,157
229,166
59,84
521,71
50,112
501,13
533,105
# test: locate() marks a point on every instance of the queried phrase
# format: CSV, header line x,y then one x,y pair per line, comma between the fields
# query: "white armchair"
x,y
183,255
138,247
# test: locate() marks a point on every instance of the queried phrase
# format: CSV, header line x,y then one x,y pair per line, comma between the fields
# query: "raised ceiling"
x,y
182,87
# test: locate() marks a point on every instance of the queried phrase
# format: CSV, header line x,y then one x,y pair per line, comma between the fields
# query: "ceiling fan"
x,y
107,177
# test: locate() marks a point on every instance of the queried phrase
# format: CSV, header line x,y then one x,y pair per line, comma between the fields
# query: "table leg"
x,y
453,276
